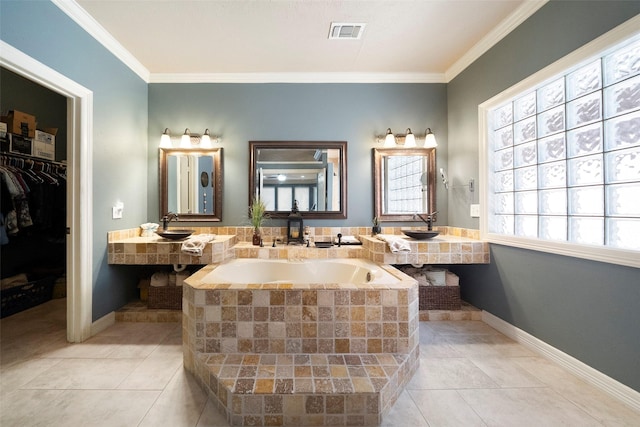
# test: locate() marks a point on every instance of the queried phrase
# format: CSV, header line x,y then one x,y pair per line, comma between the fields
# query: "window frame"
x,y
563,66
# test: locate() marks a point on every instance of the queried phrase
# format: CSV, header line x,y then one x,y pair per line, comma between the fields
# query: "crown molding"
x,y
98,32
297,78
516,18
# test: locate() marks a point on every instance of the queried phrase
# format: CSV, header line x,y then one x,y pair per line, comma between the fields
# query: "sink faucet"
x,y
428,220
167,218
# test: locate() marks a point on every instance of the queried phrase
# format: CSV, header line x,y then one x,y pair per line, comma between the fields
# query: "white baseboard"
x,y
103,323
615,389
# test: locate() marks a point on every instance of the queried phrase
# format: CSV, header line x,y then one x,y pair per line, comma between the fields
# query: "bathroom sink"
x,y
421,234
175,234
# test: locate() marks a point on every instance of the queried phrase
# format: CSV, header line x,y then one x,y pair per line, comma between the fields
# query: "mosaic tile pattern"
x,y
275,354
453,246
158,251
302,389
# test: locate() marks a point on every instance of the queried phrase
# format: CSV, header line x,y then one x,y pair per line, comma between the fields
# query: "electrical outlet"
x,y
475,211
116,212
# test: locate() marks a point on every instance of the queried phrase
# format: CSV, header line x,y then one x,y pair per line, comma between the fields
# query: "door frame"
x,y
79,184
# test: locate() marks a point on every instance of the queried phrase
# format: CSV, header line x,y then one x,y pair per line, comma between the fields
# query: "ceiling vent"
x,y
345,31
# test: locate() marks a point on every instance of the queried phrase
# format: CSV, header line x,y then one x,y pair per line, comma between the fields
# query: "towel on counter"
x,y
396,243
194,245
160,278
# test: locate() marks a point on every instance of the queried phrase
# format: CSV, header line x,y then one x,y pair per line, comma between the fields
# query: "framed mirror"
x,y
404,183
312,174
191,183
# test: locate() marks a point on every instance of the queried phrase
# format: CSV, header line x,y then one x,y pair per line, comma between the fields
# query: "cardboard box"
x,y
44,145
20,144
4,139
20,123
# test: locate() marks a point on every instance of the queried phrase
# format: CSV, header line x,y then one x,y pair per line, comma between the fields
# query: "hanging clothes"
x,y
32,193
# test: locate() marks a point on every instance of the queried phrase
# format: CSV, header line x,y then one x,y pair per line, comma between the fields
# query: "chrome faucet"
x,y
167,218
428,220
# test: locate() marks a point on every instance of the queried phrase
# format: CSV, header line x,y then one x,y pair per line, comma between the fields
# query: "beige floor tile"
x,y
27,407
104,374
154,373
14,376
505,372
445,408
211,417
449,373
404,413
131,374
180,404
526,407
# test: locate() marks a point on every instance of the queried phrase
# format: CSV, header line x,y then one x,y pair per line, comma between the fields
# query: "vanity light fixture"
x,y
188,140
205,139
430,140
165,139
407,140
185,141
389,139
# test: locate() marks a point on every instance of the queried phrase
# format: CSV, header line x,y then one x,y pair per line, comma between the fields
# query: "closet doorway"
x,y
79,222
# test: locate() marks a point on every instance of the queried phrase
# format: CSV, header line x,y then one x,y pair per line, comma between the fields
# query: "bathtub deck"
x,y
306,389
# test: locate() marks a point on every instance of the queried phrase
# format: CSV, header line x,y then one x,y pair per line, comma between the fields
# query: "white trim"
x,y
597,253
298,78
79,184
103,323
613,388
520,15
98,32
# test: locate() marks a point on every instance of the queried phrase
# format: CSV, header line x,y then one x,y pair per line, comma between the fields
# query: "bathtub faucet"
x,y
167,218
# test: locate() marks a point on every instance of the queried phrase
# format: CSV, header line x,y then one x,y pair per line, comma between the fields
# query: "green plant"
x,y
257,213
376,221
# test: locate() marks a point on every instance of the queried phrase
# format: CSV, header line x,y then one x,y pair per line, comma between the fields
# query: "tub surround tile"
x,y
329,356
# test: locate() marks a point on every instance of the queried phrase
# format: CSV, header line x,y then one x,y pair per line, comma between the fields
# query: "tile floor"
x,y
131,375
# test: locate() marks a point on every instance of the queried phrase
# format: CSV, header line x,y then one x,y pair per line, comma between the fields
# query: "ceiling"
x,y
404,40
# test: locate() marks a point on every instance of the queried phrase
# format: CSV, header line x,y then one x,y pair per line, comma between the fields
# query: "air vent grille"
x,y
345,31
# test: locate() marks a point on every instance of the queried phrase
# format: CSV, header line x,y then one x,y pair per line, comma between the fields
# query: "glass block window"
x,y
563,157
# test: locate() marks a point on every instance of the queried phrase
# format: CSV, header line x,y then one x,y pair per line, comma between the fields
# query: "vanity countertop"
x,y
443,249
155,250
450,247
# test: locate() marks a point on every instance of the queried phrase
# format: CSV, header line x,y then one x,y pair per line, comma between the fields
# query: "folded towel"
x,y
160,278
396,243
195,244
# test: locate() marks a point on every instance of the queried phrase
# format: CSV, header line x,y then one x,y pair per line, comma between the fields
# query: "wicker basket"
x,y
166,297
26,295
439,298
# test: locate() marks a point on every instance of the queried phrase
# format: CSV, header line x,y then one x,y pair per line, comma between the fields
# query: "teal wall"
x,y
322,112
584,308
42,31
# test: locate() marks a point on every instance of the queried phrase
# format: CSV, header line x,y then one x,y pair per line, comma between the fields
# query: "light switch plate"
x,y
475,211
116,212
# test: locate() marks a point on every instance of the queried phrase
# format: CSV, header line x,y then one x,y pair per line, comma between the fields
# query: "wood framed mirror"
x,y
311,173
184,190
404,183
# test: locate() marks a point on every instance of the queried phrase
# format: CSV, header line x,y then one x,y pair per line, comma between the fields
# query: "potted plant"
x,y
257,215
376,229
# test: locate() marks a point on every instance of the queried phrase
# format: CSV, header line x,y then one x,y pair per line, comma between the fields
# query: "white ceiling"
x,y
223,40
